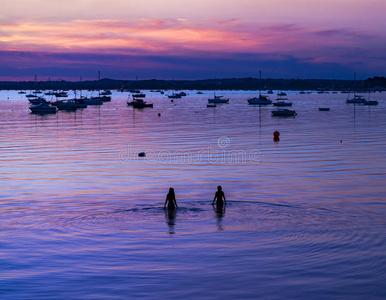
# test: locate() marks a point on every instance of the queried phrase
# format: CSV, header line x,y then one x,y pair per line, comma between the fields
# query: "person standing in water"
x,y
219,196
171,200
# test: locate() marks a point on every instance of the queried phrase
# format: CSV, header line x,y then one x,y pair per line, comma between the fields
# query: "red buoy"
x,y
276,134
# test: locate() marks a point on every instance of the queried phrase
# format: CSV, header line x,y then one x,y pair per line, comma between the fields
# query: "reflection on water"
x,y
81,215
170,215
219,210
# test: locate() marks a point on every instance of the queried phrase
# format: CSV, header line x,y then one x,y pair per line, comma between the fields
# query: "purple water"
x,y
81,214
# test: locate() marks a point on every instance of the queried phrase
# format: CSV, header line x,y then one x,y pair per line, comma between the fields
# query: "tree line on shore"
x,y
374,83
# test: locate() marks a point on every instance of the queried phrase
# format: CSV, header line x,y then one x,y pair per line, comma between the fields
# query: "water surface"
x,y
81,214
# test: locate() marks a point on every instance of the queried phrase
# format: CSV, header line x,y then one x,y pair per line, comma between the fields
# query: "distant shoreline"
x,y
249,83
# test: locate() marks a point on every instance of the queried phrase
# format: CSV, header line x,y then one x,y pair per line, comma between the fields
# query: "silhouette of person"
x,y
219,196
171,200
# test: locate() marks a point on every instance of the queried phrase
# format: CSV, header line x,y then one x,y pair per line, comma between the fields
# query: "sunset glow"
x,y
232,38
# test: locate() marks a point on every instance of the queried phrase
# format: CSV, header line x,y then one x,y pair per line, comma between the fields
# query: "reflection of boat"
x,y
282,102
211,105
261,100
281,94
139,103
357,99
283,112
43,108
324,108
218,99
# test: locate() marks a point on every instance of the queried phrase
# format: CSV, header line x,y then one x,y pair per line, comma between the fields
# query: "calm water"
x,y
81,214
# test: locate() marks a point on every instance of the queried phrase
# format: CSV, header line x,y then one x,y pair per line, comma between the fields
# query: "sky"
x,y
186,39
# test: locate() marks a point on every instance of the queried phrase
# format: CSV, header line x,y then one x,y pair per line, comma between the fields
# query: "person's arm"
x,y
166,201
175,202
215,195
225,200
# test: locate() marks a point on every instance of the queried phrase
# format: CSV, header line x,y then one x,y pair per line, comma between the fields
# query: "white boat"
x,y
283,112
261,100
218,99
43,108
282,102
358,99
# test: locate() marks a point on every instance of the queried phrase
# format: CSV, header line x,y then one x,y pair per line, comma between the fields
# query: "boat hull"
x,y
215,100
284,113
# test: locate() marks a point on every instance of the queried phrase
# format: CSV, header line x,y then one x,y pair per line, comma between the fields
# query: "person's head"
x,y
219,188
171,191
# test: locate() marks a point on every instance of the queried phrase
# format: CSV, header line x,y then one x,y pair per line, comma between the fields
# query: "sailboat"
x,y
261,99
101,97
358,99
217,99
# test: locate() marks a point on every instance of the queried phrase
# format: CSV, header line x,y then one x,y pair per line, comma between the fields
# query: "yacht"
x,y
283,112
43,108
357,99
218,99
282,102
261,100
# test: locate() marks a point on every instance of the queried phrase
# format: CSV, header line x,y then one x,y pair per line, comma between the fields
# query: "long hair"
x,y
171,192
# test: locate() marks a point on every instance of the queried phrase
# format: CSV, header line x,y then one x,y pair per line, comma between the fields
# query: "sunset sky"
x,y
182,39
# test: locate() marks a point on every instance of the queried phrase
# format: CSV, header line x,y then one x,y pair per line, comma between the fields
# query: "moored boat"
x,y
43,108
36,101
218,99
139,95
260,100
68,105
370,102
102,98
283,112
358,99
139,103
90,101
282,102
